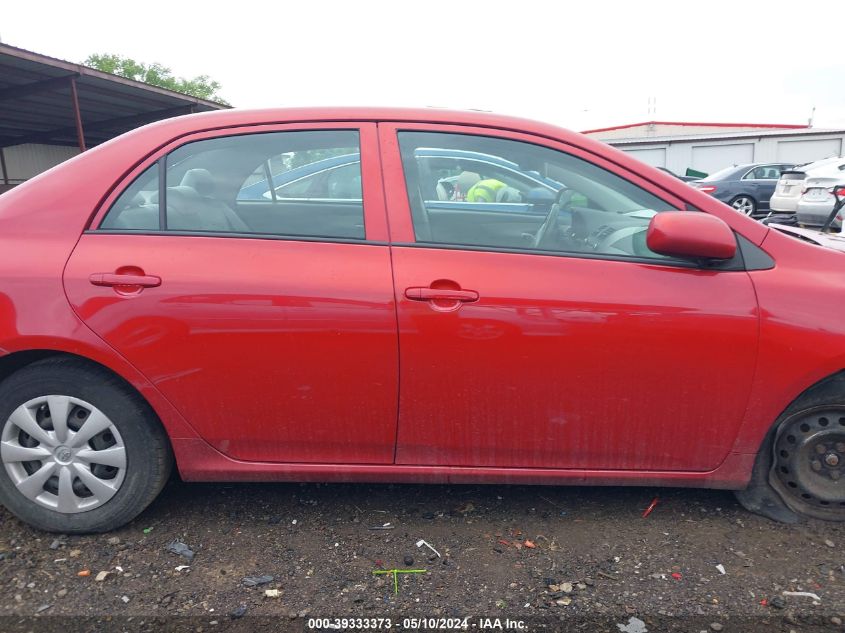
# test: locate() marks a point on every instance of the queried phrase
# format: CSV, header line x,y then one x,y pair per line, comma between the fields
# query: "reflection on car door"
x,y
527,359
274,347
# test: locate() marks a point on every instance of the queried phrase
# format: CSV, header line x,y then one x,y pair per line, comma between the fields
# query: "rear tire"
x,y
95,455
745,205
800,469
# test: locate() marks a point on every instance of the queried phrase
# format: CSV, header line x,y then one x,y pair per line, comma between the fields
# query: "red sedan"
x,y
523,305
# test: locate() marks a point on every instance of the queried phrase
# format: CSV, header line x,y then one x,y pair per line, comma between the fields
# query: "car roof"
x,y
730,172
753,165
113,160
237,117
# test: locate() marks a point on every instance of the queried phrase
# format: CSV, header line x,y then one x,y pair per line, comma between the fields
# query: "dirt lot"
x,y
553,558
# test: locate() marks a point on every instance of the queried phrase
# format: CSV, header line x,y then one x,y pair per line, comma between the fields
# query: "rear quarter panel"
x,y
40,223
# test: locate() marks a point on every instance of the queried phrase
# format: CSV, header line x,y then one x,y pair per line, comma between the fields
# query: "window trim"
x,y
375,212
735,264
161,164
240,235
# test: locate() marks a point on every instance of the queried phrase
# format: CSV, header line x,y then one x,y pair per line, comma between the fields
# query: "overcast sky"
x,y
578,64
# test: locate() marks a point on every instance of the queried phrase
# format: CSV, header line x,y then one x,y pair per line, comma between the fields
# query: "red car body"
x,y
276,359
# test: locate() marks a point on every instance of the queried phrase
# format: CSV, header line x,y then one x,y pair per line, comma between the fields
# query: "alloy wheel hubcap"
x,y
810,458
63,453
744,205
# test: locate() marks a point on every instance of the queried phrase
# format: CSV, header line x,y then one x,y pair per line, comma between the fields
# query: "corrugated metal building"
x,y
50,110
708,147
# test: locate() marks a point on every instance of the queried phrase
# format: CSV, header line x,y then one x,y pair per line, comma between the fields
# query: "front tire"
x,y
800,469
745,205
809,462
81,452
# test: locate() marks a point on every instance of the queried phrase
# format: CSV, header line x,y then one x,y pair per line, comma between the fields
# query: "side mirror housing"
x,y
691,235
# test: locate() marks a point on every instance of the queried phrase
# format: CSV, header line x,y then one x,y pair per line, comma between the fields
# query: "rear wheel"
x,y
81,451
745,205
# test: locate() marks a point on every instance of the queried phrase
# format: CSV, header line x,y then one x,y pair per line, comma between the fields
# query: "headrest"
x,y
200,180
466,180
177,194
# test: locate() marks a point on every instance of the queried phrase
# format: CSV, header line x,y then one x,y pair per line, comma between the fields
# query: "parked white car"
x,y
793,184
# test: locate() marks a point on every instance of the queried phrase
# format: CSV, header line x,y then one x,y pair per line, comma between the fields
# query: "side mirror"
x,y
690,234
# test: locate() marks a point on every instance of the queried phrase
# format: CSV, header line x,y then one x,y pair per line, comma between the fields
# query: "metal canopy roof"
x,y
47,100
719,136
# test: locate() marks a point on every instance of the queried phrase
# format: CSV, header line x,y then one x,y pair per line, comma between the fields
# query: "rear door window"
x,y
298,183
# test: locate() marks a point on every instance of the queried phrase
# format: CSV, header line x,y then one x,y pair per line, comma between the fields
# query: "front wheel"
x,y
745,205
809,462
81,451
800,469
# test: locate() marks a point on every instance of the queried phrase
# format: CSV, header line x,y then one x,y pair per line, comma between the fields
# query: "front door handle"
x,y
115,279
442,294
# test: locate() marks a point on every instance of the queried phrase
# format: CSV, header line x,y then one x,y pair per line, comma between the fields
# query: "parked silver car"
x,y
793,185
817,200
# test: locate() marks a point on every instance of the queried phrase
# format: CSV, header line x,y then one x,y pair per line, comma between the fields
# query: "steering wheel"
x,y
564,196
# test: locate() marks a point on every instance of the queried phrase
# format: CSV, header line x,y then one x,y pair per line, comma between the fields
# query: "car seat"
x,y
192,206
508,194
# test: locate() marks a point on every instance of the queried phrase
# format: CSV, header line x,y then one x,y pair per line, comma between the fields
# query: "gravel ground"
x,y
551,558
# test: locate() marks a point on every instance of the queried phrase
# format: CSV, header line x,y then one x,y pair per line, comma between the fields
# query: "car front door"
x,y
268,322
559,340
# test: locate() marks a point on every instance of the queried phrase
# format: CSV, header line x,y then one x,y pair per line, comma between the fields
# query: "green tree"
x,y
201,86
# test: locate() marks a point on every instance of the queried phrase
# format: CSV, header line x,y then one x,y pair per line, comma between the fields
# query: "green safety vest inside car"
x,y
485,190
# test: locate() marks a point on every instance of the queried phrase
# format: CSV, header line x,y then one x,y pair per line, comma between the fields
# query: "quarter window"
x,y
468,190
304,183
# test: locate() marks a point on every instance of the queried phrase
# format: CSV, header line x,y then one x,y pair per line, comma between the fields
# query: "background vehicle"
x,y
613,326
339,177
678,176
791,187
830,234
747,188
817,200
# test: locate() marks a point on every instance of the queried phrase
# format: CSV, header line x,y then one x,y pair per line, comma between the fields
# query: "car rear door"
x,y
516,353
270,324
767,183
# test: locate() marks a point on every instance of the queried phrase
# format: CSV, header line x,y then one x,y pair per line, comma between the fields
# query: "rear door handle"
x,y
114,279
443,294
